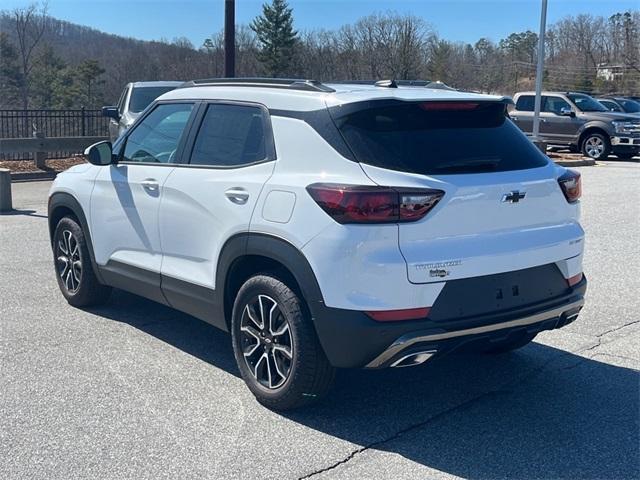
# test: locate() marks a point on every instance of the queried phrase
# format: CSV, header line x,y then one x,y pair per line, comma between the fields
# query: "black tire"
x,y
77,283
510,344
308,374
596,146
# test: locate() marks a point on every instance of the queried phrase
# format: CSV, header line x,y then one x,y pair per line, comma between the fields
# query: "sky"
x,y
457,20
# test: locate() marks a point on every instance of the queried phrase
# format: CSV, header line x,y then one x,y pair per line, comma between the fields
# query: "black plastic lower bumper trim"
x,y
351,339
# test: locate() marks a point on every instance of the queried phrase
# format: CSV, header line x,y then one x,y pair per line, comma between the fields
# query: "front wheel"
x,y
276,347
74,272
596,146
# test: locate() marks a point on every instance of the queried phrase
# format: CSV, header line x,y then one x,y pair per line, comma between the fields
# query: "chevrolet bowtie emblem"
x,y
513,197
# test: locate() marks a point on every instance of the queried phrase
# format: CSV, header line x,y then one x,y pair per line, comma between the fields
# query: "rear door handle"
x,y
237,195
150,184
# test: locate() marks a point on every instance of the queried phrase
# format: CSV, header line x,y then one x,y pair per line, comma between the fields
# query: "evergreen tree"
x,y
274,29
10,77
88,73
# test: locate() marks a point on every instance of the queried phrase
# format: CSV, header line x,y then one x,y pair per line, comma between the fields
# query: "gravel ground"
x,y
136,390
56,165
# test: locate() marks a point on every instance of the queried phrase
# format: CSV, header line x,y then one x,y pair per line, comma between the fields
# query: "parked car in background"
x,y
578,121
620,104
327,226
135,97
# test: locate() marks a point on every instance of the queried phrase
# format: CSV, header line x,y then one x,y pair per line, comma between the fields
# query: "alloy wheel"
x,y
69,261
266,342
594,147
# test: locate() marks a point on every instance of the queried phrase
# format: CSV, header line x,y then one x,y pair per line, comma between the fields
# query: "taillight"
x,y
571,185
373,204
574,280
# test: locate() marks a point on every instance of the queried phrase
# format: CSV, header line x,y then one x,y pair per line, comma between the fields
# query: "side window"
x,y
525,103
611,105
230,135
554,105
157,137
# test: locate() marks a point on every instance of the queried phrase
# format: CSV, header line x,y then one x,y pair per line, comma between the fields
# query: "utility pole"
x,y
539,73
229,38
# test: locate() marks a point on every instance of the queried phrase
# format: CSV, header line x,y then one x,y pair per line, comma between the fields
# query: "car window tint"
x,y
555,105
525,103
157,137
613,106
141,97
630,106
230,135
426,139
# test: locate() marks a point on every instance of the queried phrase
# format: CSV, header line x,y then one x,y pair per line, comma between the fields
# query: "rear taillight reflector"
x,y
373,204
571,185
399,315
574,280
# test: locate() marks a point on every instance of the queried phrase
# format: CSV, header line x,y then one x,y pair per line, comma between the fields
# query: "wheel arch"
x,y
247,254
63,204
592,128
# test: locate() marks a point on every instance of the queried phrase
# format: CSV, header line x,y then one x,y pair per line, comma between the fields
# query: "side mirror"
x,y
111,112
567,112
99,153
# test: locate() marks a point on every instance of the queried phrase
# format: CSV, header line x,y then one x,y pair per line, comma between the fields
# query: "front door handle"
x,y
237,195
150,184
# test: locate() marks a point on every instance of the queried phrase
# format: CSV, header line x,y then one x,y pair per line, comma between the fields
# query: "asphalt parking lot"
x,y
136,390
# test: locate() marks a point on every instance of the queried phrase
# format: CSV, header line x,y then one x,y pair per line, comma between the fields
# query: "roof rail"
x,y
288,83
392,83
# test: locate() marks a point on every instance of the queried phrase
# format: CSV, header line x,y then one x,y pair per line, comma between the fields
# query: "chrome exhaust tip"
x,y
413,359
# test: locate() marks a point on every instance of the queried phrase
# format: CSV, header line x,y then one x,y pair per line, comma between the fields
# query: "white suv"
x,y
327,226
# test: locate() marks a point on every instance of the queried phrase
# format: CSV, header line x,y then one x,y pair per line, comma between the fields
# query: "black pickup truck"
x,y
578,121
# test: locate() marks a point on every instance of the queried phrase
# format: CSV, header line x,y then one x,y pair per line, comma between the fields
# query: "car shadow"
x,y
540,412
27,212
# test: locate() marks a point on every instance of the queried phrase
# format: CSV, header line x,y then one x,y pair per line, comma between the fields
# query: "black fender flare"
x,y
274,248
67,202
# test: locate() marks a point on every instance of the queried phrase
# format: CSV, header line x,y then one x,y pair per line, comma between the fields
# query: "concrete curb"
x,y
587,162
32,176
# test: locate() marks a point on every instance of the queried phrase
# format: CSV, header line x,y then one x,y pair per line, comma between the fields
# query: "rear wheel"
x,y
74,272
510,344
276,347
596,146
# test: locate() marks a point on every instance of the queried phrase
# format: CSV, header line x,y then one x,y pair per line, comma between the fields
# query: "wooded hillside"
x,y
73,65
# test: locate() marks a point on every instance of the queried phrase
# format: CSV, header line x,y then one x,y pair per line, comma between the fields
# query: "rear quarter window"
x,y
438,138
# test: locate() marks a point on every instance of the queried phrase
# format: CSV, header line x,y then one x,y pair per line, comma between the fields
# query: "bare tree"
x,y
30,24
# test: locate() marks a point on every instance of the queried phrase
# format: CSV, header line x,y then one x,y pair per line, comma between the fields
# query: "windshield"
x,y
141,97
437,137
630,106
586,104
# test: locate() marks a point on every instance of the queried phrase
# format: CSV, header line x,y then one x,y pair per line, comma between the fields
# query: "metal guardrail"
x,y
40,146
50,123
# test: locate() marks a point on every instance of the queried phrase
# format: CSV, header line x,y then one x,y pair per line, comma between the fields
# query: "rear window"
x,y
141,97
438,138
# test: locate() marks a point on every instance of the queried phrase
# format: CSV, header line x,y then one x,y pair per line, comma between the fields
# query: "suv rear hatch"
x,y
503,208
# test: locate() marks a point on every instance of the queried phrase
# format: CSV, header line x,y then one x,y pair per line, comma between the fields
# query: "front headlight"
x,y
626,127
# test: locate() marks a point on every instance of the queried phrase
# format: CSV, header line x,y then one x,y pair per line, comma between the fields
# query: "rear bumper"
x,y
351,339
